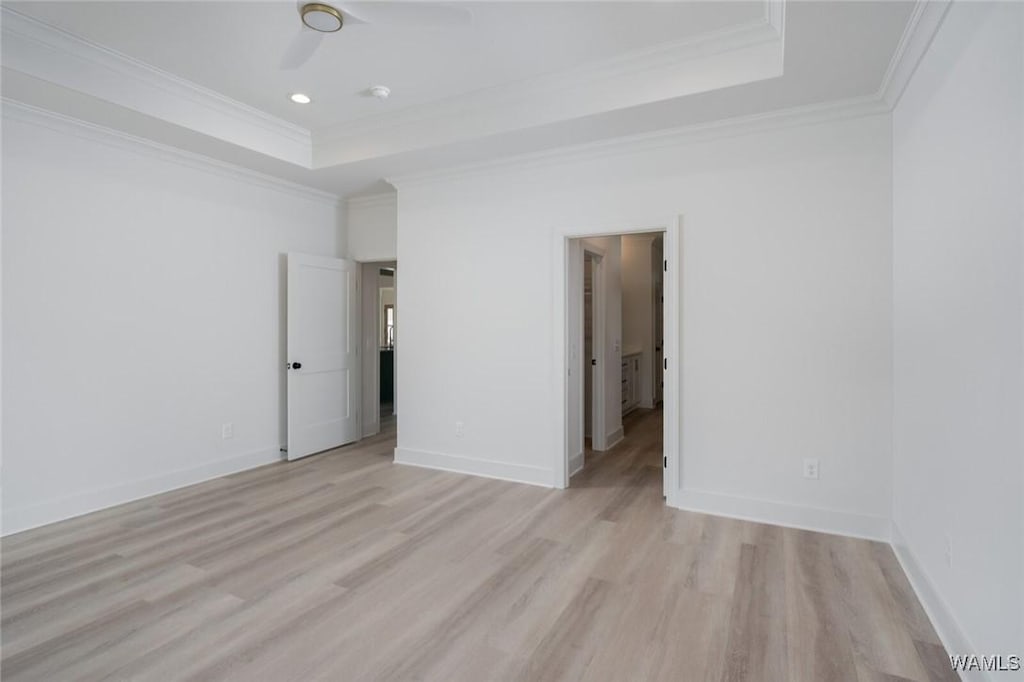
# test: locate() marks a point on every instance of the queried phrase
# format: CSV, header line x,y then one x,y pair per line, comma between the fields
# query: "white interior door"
x,y
601,400
323,354
659,321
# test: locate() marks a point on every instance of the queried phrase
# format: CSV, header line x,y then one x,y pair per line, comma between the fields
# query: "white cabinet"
x,y
630,382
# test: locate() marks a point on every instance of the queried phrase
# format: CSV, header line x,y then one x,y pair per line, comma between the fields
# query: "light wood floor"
x,y
345,566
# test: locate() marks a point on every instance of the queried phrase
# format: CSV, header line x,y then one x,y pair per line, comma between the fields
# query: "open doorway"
x,y
379,282
386,327
617,334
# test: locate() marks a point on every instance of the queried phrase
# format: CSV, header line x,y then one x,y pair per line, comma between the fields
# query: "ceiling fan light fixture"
x,y
300,98
321,17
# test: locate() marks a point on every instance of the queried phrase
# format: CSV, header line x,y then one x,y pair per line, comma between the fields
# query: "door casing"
x,y
673,370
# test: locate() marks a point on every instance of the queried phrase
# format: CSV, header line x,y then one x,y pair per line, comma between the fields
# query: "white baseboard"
x,y
783,514
614,438
25,518
505,471
575,464
371,429
939,613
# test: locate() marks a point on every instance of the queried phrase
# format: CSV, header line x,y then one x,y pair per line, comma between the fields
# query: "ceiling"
x,y
207,77
237,48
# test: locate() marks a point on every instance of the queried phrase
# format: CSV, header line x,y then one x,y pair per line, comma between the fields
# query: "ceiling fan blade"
x,y
425,14
301,48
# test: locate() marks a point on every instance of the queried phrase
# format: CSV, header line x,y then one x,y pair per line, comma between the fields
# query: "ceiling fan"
x,y
320,18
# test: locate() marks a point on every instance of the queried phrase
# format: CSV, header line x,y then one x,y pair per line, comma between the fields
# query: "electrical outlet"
x,y
227,430
811,467
949,550
460,429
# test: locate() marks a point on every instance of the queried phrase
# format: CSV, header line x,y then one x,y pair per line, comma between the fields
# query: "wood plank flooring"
x,y
345,566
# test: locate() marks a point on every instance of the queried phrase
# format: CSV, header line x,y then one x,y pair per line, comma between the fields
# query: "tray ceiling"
x,y
207,77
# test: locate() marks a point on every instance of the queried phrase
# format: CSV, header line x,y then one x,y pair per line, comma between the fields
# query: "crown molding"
x,y
52,54
856,107
25,113
924,23
775,16
769,28
385,199
27,39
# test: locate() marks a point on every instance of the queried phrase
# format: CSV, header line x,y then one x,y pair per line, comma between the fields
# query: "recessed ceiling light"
x,y
380,91
321,17
299,98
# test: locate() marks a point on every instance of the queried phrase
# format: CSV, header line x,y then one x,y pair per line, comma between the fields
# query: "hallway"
x,y
636,460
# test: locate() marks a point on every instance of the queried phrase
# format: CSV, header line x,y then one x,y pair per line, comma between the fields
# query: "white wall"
x,y
958,308
371,228
638,310
786,288
143,308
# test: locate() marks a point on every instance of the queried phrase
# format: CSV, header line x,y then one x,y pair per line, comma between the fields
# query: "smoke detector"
x,y
381,92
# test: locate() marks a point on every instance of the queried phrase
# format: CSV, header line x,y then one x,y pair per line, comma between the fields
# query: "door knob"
x,y
296,365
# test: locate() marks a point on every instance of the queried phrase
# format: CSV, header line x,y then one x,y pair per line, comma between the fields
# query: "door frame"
x,y
672,374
